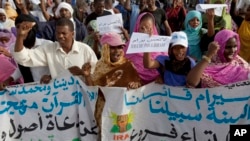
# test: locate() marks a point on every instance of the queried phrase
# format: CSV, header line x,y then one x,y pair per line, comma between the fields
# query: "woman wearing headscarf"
x,y
8,65
112,70
243,31
5,22
176,15
221,65
175,67
194,31
10,12
93,38
145,24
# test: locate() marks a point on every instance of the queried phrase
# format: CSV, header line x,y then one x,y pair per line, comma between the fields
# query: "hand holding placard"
x,y
218,8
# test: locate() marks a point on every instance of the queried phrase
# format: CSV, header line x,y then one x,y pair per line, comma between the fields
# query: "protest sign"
x,y
164,113
217,8
64,111
59,111
109,23
141,42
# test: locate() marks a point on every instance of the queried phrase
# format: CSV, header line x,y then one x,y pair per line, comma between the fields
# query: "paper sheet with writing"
x,y
217,8
141,42
35,1
110,23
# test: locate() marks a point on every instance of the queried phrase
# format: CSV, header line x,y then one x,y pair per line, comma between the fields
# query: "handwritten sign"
x,y
109,23
35,2
160,112
64,110
61,110
217,8
141,42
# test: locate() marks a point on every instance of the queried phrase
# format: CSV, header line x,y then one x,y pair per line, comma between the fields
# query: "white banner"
x,y
64,111
60,111
162,113
141,42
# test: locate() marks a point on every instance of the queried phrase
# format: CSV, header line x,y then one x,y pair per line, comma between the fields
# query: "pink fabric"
x,y
224,72
112,38
6,68
147,75
8,34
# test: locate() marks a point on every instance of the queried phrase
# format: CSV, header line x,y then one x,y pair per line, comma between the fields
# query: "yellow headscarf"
x,y
11,13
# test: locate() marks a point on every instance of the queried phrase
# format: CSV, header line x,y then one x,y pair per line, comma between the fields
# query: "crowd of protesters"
x,y
40,41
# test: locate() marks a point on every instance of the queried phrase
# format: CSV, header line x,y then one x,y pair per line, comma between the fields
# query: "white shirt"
x,y
52,55
37,72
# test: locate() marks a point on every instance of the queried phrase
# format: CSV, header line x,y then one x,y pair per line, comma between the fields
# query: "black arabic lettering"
x,y
65,124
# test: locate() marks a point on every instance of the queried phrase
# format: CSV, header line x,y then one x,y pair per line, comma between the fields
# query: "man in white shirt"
x,y
36,72
65,53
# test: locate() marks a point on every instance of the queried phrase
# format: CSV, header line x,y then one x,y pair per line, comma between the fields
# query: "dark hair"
x,y
96,1
31,37
147,16
65,22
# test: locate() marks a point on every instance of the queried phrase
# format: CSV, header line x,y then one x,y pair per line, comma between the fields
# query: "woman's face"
x,y
179,52
146,26
116,53
2,17
195,22
230,49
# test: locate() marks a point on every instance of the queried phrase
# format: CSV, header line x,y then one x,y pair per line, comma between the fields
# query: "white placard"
x,y
110,23
36,2
217,8
141,42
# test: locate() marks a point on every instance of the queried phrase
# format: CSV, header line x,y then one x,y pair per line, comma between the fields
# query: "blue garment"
x,y
125,15
170,78
135,10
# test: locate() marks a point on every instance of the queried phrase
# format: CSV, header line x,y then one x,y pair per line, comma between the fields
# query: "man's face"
x,y
63,35
99,7
65,13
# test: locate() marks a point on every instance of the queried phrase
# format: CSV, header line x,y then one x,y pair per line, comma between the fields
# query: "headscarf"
x,y
104,65
222,37
138,22
193,34
8,23
3,12
222,72
244,33
147,75
93,24
31,38
6,68
10,36
10,12
63,5
66,6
